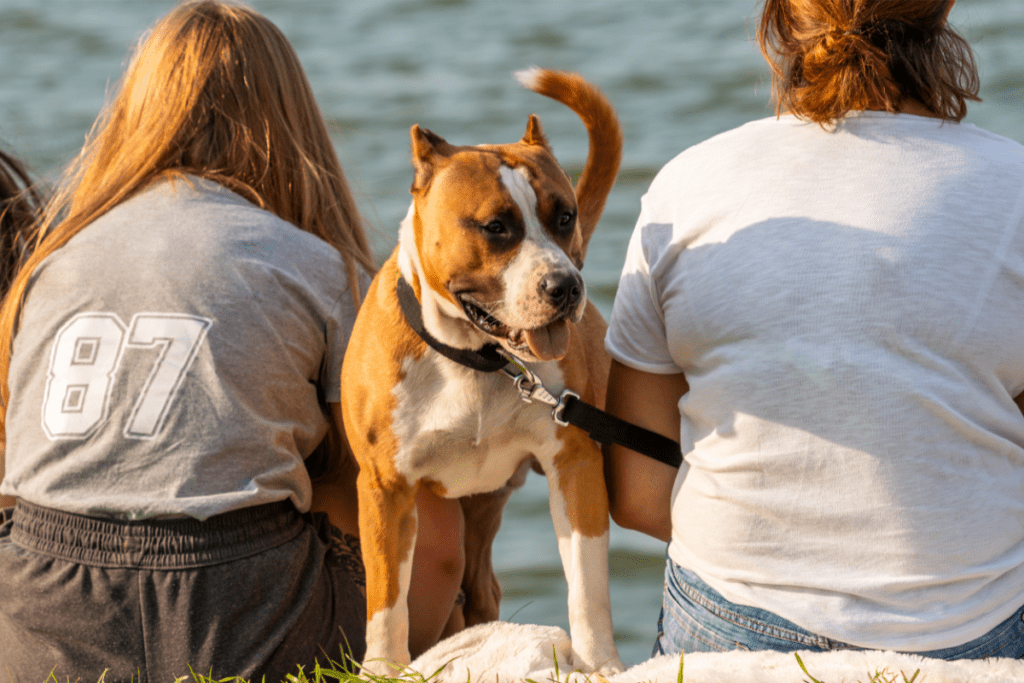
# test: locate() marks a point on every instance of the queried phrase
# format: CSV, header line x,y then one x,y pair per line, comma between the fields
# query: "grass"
x,y
345,673
883,676
333,673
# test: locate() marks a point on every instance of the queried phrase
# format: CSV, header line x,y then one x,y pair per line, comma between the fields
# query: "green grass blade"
x,y
801,663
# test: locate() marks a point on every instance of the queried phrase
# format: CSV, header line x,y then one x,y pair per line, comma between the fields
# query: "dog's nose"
x,y
563,290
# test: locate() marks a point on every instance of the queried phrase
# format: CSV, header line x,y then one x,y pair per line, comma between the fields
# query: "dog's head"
x,y
496,235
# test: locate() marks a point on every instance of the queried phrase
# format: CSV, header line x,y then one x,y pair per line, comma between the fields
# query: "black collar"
x,y
486,359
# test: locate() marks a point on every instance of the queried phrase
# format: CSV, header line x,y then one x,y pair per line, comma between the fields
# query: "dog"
x,y
489,256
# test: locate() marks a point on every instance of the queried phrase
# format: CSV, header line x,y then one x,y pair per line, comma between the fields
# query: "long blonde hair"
x,y
213,90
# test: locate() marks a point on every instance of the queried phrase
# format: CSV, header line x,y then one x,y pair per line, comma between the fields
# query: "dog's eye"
x,y
495,227
565,219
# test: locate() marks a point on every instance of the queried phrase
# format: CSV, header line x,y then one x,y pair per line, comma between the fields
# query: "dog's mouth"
x,y
484,320
548,342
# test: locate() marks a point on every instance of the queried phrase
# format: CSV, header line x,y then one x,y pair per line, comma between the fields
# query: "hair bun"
x,y
838,50
830,57
846,42
842,70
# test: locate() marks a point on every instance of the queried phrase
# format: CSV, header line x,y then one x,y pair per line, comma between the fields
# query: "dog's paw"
x,y
381,660
603,666
377,667
610,668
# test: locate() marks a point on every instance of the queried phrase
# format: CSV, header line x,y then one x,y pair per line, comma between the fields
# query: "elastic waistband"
x,y
154,543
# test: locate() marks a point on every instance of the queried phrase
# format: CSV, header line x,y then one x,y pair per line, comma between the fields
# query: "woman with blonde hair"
x,y
170,359
826,308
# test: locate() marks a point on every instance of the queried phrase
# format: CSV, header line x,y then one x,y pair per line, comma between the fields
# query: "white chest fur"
x,y
468,430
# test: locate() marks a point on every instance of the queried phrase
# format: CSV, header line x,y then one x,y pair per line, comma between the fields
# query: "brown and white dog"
x,y
492,246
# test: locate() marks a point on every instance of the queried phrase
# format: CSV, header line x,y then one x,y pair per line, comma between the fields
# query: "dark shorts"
x,y
251,593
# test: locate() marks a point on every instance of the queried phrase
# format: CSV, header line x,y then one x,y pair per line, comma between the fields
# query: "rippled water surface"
x,y
678,71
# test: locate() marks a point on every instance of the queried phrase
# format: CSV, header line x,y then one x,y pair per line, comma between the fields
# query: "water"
x,y
678,72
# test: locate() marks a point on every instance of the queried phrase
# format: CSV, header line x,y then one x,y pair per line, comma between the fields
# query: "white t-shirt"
x,y
848,309
176,357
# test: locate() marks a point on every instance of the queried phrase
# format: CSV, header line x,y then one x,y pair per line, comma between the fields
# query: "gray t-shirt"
x,y
176,358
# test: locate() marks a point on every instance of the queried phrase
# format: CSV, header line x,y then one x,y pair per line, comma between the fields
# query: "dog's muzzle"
x,y
563,291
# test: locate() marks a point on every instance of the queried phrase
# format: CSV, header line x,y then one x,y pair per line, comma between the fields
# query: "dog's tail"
x,y
605,133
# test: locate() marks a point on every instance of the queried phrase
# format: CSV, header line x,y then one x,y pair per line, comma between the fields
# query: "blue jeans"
x,y
696,618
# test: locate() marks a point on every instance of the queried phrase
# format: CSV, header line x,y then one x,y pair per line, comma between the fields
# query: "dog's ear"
x,y
535,133
425,146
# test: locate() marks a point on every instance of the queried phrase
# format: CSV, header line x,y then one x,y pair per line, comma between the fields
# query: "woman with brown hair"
x,y
19,209
170,358
826,308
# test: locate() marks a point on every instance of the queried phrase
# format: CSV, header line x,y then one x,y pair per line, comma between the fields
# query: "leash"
x,y
567,409
570,409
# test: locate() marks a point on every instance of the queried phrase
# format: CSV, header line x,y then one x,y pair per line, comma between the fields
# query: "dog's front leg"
x,y
387,530
579,509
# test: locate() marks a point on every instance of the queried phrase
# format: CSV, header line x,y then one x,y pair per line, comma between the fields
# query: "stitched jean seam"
x,y
749,624
693,627
1007,643
696,636
994,653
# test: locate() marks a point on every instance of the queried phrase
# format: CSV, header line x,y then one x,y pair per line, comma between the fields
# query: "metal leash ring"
x,y
527,382
559,409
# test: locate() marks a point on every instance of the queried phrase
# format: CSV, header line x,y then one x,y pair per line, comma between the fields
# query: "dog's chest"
x,y
469,431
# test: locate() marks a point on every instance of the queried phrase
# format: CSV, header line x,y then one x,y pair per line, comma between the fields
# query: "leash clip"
x,y
603,428
526,381
532,389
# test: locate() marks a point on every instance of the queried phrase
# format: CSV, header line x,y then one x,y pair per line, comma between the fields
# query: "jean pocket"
x,y
690,627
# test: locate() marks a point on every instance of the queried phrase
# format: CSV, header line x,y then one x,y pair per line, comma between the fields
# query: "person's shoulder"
x,y
188,200
998,147
226,235
969,152
711,162
943,135
719,148
236,219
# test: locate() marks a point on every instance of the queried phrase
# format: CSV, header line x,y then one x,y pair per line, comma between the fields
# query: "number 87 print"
x,y
85,360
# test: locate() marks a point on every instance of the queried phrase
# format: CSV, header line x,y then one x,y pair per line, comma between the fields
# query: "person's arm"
x,y
640,487
335,492
437,566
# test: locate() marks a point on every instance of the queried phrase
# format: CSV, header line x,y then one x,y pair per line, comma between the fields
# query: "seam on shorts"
x,y
780,632
694,629
144,671
1009,641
